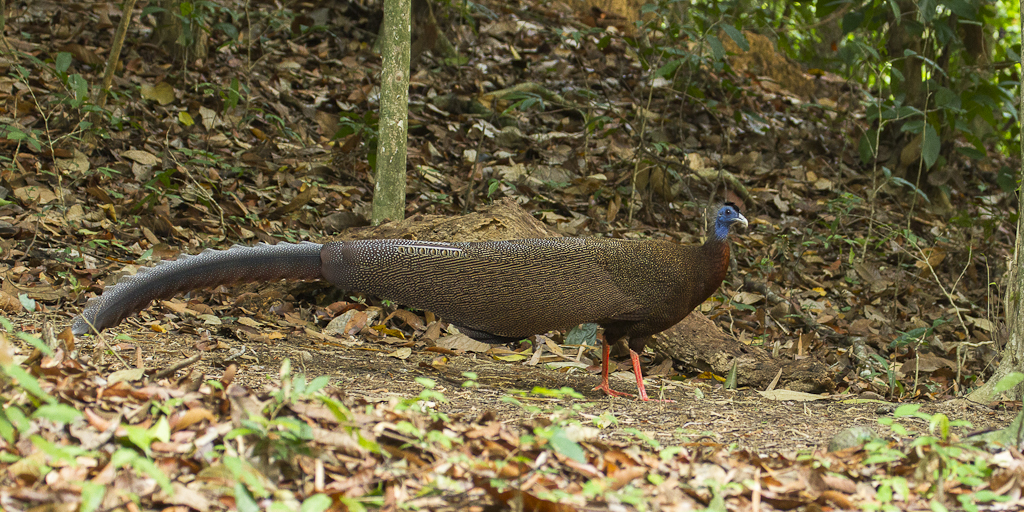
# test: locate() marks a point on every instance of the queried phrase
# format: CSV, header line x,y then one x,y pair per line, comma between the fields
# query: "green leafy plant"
x,y
523,101
939,84
201,15
78,99
159,186
74,97
425,400
917,337
937,457
295,387
494,185
35,404
894,386
838,209
470,380
75,84
563,420
278,439
671,27
19,134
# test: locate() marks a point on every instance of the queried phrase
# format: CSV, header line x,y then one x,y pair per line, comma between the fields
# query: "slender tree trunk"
x,y
114,56
900,40
168,34
389,189
1013,352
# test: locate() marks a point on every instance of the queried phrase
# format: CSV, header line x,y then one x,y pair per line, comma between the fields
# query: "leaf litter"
x,y
876,275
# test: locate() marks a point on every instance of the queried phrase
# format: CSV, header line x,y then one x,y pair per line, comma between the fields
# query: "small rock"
x,y
853,436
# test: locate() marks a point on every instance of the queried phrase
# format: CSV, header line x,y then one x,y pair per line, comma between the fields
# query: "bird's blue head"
x,y
728,216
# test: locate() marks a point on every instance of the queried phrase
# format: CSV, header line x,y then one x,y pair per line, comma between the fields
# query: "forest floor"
x,y
898,298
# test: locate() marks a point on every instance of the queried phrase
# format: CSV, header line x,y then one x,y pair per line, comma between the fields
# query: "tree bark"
x,y
389,189
168,34
1013,352
901,40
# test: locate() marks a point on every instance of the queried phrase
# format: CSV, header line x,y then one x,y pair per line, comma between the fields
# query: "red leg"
x,y
604,374
640,377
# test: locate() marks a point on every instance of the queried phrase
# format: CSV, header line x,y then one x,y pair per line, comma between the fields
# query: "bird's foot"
x,y
609,391
643,392
640,378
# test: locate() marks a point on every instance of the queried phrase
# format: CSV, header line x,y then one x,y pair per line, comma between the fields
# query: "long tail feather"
x,y
211,268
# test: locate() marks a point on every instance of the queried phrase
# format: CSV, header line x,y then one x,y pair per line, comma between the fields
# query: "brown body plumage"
x,y
495,291
512,289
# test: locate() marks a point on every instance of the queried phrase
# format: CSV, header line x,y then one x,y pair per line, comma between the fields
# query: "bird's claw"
x,y
609,391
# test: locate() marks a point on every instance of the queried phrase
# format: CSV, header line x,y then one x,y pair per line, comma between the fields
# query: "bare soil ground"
x,y
699,409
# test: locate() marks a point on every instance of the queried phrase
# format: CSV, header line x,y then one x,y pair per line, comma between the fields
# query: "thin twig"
x,y
177,366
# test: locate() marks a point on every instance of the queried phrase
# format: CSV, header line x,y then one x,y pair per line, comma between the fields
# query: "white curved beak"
x,y
741,220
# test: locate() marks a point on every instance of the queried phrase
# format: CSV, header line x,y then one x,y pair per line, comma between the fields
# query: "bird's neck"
x,y
721,231
716,256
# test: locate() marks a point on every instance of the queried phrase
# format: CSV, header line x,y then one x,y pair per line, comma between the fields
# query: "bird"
x,y
496,292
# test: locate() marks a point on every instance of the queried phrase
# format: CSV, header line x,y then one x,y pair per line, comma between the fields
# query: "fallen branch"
x,y
170,370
